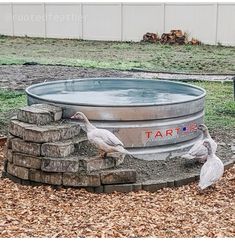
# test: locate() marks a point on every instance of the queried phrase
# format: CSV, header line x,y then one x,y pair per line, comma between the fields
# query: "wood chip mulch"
x,y
172,212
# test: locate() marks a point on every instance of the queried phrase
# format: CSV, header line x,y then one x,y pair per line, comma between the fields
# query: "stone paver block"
x,y
50,133
19,145
42,134
70,131
45,177
170,183
66,164
25,182
17,128
89,189
34,183
136,187
184,180
230,163
18,171
79,139
12,178
196,177
39,114
81,180
28,161
118,188
118,176
4,174
99,189
9,141
96,163
33,115
153,185
9,155
58,149
55,110
5,162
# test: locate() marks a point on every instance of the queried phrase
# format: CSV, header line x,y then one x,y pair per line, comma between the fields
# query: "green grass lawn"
x,y
10,101
118,55
220,107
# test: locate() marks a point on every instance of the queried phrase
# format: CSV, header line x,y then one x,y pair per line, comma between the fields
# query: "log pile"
x,y
194,41
174,37
150,37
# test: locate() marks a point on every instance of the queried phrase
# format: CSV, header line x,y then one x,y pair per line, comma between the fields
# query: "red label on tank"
x,y
170,132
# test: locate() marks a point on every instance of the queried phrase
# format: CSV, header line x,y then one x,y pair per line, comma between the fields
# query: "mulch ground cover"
x,y
42,211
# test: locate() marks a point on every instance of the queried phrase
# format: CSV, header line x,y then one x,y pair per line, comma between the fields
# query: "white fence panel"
x,y
226,24
198,20
63,20
102,21
29,19
141,18
6,23
209,22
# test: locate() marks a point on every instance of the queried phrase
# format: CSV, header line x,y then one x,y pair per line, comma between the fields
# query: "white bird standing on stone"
x,y
213,168
103,139
199,151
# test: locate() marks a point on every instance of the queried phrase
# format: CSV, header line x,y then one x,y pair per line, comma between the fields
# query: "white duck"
x,y
213,168
103,139
199,151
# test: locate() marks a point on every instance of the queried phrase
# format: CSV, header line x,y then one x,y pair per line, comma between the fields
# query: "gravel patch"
x,y
159,170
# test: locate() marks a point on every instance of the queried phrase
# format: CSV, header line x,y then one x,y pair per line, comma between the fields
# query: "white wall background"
x,y
211,23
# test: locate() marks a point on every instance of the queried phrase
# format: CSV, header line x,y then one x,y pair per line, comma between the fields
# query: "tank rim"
x,y
27,90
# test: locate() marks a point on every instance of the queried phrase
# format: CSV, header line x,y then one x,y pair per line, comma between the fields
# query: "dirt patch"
x,y
169,169
18,77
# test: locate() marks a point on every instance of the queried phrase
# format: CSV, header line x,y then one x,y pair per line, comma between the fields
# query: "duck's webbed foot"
x,y
207,190
201,160
102,154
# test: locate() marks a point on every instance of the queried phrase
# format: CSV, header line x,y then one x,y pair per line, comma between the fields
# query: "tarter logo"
x,y
192,127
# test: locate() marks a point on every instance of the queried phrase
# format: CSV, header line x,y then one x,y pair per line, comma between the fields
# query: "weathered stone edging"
x,y
50,154
150,186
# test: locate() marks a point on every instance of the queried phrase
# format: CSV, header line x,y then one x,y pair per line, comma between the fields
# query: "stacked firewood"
x,y
194,41
151,37
174,37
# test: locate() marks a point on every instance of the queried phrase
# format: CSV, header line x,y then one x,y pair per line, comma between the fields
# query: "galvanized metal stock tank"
x,y
155,119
